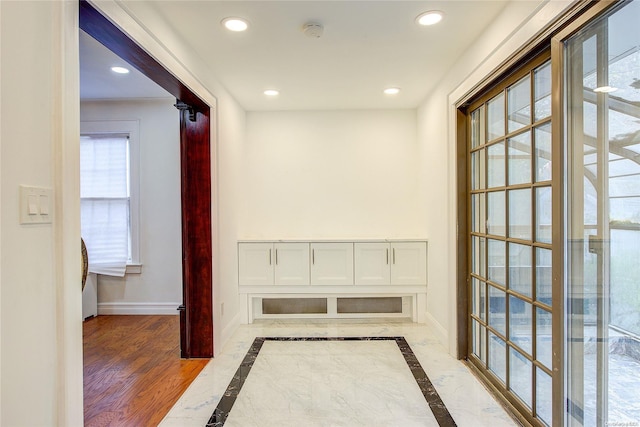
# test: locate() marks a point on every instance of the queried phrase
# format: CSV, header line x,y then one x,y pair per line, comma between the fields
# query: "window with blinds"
x,y
105,200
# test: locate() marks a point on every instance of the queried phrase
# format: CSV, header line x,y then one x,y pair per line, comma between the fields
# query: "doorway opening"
x,y
196,311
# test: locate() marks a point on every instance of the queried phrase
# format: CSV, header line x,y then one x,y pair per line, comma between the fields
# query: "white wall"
x,y
41,329
230,128
158,289
40,292
336,174
519,22
28,286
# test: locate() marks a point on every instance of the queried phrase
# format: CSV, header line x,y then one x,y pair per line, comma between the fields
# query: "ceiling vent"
x,y
313,30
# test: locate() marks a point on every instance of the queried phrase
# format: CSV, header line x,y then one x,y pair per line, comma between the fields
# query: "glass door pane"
x,y
511,317
519,101
603,258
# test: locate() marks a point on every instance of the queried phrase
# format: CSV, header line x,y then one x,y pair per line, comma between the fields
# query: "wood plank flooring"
x,y
133,373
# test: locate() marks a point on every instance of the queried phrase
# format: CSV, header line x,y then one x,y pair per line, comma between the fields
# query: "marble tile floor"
x,y
336,383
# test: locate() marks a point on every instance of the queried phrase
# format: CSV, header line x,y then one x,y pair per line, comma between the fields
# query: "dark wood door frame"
x,y
195,161
197,271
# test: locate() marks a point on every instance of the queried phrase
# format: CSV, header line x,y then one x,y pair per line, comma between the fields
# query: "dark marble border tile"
x,y
437,406
439,409
230,395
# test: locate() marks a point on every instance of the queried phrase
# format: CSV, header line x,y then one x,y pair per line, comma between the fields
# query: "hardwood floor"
x,y
133,373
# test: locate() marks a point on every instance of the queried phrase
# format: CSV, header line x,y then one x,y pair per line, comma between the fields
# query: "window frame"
x,y
503,384
554,34
131,128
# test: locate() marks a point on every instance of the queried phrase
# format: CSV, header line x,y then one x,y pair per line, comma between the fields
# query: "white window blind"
x,y
105,200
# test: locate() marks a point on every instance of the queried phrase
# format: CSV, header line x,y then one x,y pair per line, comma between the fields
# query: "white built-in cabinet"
x,y
395,263
291,263
255,262
331,263
335,271
269,263
408,263
372,265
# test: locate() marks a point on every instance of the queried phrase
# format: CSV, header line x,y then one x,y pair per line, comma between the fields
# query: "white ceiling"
x,y
98,82
366,46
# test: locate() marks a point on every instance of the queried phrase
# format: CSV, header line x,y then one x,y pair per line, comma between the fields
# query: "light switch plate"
x,y
35,205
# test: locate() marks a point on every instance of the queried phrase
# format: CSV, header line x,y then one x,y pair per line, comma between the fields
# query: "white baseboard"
x,y
148,308
439,330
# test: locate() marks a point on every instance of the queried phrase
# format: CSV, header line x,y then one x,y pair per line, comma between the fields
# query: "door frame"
x,y
569,407
552,36
197,264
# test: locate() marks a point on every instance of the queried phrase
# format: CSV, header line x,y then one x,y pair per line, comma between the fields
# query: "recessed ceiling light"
x,y
120,70
429,18
392,91
235,24
605,89
271,92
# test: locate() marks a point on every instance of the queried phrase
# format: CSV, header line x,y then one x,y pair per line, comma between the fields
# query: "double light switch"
x,y
35,205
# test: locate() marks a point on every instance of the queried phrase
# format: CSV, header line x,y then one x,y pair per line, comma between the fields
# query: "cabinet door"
x,y
291,263
409,263
332,263
255,263
372,266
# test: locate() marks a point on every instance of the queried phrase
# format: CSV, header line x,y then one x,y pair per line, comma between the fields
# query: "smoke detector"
x,y
313,30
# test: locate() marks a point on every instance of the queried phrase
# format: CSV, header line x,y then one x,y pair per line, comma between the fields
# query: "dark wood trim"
x,y
195,149
195,159
533,60
103,30
462,247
